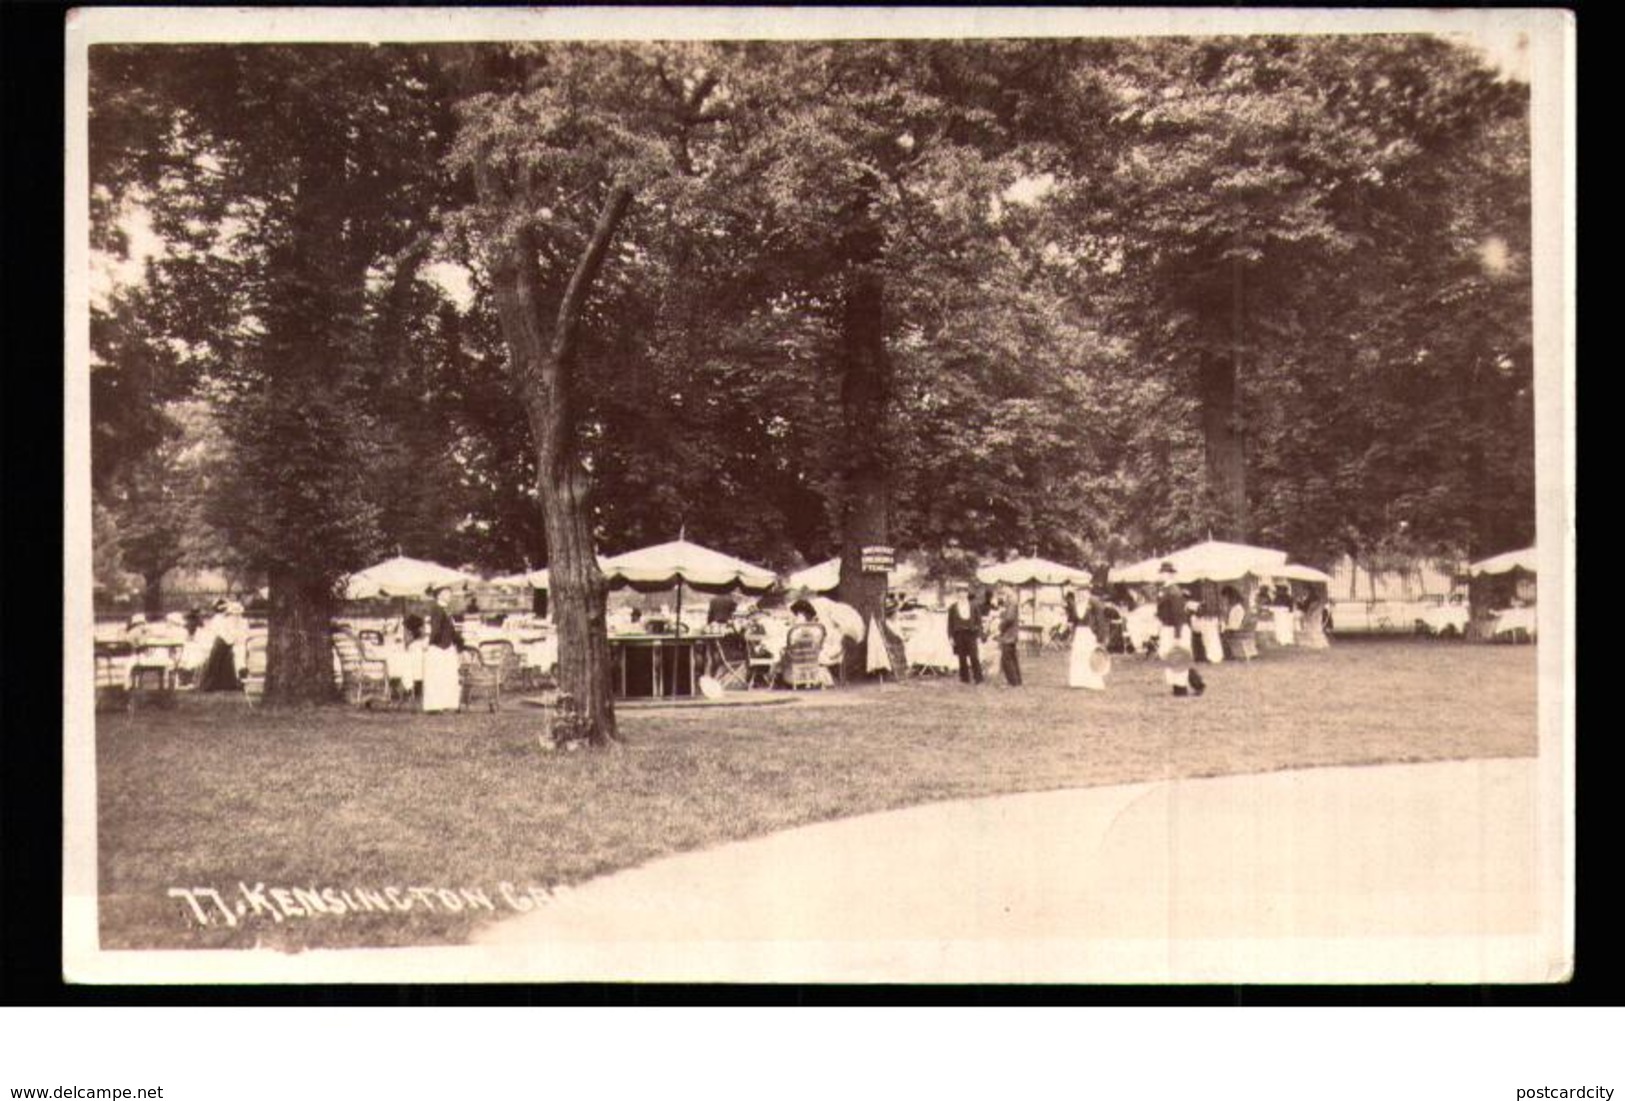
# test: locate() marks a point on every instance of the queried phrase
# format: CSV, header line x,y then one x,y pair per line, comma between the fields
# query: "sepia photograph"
x,y
819,496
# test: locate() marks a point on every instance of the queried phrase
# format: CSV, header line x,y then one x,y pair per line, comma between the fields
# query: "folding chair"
x,y
731,661
759,666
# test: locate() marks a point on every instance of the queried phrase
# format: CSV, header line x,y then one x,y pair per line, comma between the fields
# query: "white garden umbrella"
x,y
1505,563
877,658
821,578
1032,571
536,579
1292,571
679,563
1212,560
402,576
843,617
826,576
684,563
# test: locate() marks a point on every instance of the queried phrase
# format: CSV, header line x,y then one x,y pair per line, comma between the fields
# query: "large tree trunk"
x,y
1226,464
314,305
299,649
865,373
543,365
1480,485
152,594
1220,379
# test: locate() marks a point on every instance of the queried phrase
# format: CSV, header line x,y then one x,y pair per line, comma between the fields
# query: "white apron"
x,y
1283,626
442,688
1080,670
1212,642
1172,640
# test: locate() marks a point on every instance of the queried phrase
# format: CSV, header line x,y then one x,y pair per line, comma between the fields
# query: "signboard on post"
x,y
879,559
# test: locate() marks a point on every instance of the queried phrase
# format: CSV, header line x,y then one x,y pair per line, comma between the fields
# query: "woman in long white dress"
x,y
1084,667
442,684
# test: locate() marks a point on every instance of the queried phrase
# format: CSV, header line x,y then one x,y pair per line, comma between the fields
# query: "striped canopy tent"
x,y
401,576
1212,560
1505,563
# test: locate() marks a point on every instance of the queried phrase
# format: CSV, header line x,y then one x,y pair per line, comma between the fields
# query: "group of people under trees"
x,y
212,657
210,648
992,616
995,616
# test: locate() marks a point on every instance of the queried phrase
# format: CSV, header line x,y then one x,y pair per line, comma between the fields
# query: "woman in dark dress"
x,y
220,671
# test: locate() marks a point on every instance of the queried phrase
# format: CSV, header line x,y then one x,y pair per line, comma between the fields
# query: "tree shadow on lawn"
x,y
210,795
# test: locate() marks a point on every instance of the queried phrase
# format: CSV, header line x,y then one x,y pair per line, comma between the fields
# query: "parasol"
x,y
402,576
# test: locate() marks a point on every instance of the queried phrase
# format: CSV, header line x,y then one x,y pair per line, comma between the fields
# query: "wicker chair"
x,y
364,680
481,682
802,648
499,654
1241,645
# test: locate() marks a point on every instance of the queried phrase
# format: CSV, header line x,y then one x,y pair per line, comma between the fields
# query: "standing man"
x,y
965,632
1010,637
1173,618
1174,636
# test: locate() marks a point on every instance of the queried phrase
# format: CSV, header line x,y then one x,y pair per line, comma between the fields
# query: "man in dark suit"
x,y
1010,638
965,632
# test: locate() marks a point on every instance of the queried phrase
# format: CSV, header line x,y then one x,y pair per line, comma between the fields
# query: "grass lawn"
x,y
210,795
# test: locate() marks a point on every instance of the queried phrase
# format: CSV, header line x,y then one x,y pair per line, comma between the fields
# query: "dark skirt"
x,y
220,671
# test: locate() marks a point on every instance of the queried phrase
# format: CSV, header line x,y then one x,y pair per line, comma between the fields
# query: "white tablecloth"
x,y
1212,643
540,653
1282,626
1445,616
925,640
1140,625
1515,619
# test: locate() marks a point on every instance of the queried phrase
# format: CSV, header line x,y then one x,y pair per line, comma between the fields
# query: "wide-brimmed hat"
x,y
138,620
1167,567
